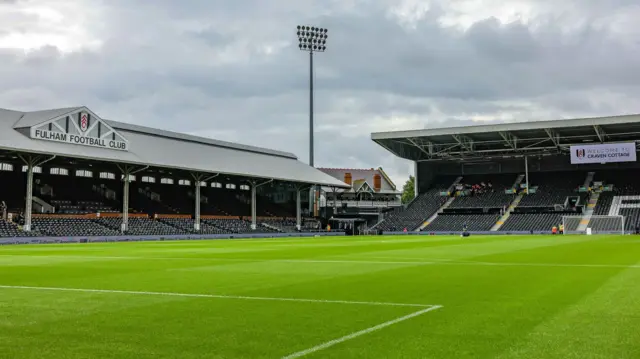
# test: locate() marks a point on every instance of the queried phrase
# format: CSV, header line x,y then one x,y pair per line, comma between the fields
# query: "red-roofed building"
x,y
371,191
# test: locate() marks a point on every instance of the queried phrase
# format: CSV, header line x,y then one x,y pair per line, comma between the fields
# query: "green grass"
x,y
560,297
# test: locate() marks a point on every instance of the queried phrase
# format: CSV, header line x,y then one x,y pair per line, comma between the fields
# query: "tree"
x,y
408,191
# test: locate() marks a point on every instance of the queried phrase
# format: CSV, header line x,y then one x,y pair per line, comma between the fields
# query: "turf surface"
x,y
537,297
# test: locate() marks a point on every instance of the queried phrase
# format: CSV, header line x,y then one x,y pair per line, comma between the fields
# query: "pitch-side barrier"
x,y
449,233
103,239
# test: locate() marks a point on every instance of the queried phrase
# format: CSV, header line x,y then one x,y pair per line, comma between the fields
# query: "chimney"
x,y
347,178
377,182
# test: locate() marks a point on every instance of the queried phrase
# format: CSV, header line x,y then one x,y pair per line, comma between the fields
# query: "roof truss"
x,y
510,140
465,142
602,136
474,143
553,136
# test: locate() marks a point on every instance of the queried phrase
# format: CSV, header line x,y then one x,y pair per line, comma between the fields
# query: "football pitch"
x,y
502,297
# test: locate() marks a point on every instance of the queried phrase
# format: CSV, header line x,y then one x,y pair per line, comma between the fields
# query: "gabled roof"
x,y
359,184
366,174
507,139
152,147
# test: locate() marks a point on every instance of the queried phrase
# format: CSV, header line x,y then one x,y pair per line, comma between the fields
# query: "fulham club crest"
x,y
84,121
580,153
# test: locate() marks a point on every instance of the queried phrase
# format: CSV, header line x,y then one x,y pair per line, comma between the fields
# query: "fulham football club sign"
x,y
80,128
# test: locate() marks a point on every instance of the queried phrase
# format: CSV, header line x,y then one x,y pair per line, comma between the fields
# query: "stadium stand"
x,y
186,225
485,191
552,189
624,183
78,165
603,206
419,210
288,225
455,222
142,226
538,222
70,194
236,225
558,157
10,229
632,218
71,227
282,224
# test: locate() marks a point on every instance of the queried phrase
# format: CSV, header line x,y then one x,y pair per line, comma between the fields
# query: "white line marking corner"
x,y
359,333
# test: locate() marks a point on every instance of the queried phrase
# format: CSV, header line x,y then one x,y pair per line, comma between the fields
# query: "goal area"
x,y
593,225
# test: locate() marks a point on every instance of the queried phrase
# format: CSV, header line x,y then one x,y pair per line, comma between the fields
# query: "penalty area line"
x,y
217,296
359,333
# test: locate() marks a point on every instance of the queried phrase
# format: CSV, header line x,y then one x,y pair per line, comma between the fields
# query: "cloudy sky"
x,y
231,69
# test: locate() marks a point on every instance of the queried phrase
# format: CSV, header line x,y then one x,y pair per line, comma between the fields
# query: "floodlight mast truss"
x,y
311,39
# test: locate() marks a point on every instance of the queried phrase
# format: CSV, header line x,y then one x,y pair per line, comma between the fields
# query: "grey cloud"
x,y
202,68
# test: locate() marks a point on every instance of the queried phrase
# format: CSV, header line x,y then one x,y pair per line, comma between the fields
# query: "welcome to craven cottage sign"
x,y
80,128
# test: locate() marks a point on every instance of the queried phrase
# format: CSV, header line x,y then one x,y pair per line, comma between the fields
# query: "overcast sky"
x,y
231,70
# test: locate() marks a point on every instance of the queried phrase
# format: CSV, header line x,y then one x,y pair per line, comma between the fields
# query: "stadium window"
x,y
83,173
203,184
244,187
36,169
216,184
166,180
6,167
107,175
148,179
230,186
184,182
59,171
132,178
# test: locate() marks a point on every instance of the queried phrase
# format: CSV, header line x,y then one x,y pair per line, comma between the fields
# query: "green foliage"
x,y
408,191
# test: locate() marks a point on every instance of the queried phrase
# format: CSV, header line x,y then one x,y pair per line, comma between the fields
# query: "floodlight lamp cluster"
x,y
312,39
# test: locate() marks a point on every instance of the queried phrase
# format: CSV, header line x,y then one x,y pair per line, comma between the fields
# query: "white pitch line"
x,y
218,296
447,262
359,333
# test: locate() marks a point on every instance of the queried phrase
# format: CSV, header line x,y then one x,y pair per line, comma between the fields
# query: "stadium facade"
x,y
71,153
520,177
